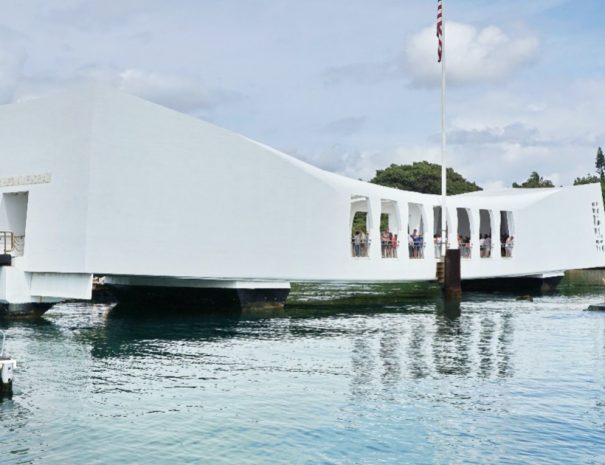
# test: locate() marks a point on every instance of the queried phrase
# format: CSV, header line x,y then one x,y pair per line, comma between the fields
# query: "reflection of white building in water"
x,y
94,181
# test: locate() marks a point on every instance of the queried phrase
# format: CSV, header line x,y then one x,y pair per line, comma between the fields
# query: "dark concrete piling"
x,y
198,300
449,308
448,277
451,281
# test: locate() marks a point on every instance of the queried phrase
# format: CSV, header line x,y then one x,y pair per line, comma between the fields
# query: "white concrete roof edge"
x,y
135,189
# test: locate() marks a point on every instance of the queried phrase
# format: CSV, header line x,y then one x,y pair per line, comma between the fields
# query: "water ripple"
x,y
348,382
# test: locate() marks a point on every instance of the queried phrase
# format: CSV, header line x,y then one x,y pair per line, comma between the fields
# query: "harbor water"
x,y
345,375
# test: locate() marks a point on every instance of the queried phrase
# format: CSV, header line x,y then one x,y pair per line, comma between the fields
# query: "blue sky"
x,y
348,85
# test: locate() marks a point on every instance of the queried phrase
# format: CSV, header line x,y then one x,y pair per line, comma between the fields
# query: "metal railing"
x,y
360,247
485,251
416,250
465,250
7,242
506,249
389,248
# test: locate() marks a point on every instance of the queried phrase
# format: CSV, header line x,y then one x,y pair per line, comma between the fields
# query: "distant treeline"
x,y
425,177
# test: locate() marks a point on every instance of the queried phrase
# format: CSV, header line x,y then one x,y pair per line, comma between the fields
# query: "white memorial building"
x,y
97,182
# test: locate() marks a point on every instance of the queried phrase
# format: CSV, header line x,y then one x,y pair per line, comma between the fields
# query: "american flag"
x,y
439,29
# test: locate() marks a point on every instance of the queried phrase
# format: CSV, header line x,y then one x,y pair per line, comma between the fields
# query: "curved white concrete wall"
x,y
137,189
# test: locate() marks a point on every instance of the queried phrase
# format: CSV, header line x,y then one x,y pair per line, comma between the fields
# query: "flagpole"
x,y
443,153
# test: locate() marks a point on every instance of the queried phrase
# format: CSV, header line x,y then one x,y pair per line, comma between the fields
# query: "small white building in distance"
x,y
97,182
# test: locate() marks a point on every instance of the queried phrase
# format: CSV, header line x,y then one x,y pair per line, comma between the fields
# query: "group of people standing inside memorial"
x,y
485,245
416,244
465,246
389,244
360,243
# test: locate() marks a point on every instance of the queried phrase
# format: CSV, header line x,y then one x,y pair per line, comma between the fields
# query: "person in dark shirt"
x,y
418,245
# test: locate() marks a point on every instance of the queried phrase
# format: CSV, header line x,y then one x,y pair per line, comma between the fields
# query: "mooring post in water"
x,y
449,308
451,279
448,277
7,367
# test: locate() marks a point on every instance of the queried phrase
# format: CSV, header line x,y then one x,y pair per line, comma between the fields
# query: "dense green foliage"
x,y
599,177
588,179
424,177
535,180
360,223
600,163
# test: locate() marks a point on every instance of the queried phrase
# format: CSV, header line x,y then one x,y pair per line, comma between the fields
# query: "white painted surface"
x,y
18,286
13,211
139,190
14,286
68,285
194,283
7,368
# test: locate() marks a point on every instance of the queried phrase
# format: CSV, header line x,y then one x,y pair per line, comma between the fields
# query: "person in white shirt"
x,y
437,242
482,245
364,244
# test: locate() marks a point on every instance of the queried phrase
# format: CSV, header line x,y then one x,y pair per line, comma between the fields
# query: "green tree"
x,y
360,222
600,163
424,177
588,179
535,180
591,179
594,178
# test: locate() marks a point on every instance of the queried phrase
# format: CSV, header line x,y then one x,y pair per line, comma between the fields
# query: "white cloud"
x,y
555,178
181,93
364,73
345,126
341,99
494,185
362,164
472,55
514,133
89,15
12,61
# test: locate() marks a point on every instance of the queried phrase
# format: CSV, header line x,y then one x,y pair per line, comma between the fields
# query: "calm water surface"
x,y
336,379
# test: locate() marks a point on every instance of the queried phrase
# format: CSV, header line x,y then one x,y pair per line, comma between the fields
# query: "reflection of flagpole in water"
x,y
441,59
505,368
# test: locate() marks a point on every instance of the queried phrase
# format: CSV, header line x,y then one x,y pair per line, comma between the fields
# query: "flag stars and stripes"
x,y
439,30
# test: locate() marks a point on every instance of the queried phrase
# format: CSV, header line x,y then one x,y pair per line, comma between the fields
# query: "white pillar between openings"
x,y
475,222
374,225
429,227
496,235
402,253
452,220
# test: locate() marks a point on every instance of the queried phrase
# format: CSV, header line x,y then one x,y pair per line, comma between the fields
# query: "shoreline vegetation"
x,y
425,177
